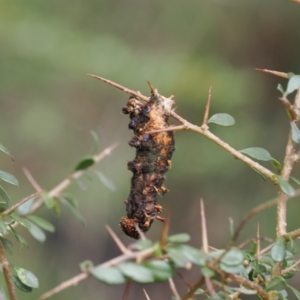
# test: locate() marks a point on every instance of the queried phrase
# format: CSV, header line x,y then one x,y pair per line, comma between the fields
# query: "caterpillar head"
x,y
129,227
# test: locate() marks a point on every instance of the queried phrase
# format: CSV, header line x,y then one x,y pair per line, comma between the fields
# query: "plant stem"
x,y
7,275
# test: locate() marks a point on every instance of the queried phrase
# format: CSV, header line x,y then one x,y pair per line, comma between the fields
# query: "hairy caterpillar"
x,y
152,161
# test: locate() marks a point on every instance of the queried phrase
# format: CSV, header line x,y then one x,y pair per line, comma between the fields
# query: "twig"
x,y
207,107
55,192
193,289
14,207
127,289
147,296
187,125
292,234
248,241
257,242
120,245
291,268
203,227
173,289
7,274
30,178
82,276
258,209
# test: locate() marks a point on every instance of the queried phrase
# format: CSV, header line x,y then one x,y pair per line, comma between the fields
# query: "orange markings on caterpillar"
x,y
152,161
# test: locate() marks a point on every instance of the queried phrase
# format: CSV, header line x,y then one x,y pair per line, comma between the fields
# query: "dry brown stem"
x,y
7,274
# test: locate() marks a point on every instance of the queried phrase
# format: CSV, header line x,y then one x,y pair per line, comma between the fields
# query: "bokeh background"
x,y
49,106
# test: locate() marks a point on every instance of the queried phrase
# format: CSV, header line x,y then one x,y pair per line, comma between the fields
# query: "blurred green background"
x,y
49,106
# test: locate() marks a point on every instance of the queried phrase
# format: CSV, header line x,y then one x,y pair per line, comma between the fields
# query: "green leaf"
x,y
232,269
193,255
46,225
20,285
295,180
222,119
106,181
3,228
207,272
142,244
293,245
96,141
49,201
296,292
295,133
179,238
285,186
25,208
278,250
37,232
85,163
257,153
69,202
178,257
20,220
136,272
233,257
18,237
280,88
108,275
160,269
276,164
7,177
4,196
7,244
244,290
27,277
277,283
293,84
3,149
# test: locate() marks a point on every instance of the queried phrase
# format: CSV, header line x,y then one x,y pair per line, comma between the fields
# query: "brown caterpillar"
x,y
152,161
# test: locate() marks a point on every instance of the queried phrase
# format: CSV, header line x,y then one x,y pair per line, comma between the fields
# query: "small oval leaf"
x,y
278,250
27,277
234,257
46,225
276,164
106,181
222,119
295,132
7,244
136,272
85,163
257,153
161,270
20,285
193,255
7,177
3,228
96,141
37,232
3,149
179,238
277,283
108,275
285,186
293,84
4,196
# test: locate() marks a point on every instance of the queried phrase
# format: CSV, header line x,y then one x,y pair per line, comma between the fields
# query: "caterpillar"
x,y
152,160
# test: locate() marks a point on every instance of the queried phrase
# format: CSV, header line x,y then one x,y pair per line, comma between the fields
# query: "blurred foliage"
x,y
49,106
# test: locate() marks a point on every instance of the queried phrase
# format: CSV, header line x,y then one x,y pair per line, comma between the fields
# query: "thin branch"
x,y
292,234
194,288
7,274
289,160
120,245
173,289
127,289
207,107
291,268
147,296
258,255
203,227
171,128
55,192
210,287
82,276
14,207
33,182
